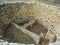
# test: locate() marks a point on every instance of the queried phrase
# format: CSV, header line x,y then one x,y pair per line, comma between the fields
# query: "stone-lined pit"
x,y
37,28
46,14
12,34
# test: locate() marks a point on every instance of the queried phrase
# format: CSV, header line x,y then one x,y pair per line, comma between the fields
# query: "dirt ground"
x,y
38,28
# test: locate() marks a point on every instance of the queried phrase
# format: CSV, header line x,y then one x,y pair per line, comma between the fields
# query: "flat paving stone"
x,y
1,43
5,43
30,44
13,44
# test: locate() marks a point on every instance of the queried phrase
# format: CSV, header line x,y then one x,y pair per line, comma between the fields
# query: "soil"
x,y
38,28
22,23
44,40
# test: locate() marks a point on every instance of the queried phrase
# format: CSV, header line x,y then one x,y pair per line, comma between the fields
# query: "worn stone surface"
x,y
55,43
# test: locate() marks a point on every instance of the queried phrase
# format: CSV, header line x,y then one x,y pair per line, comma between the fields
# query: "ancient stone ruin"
x,y
29,23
